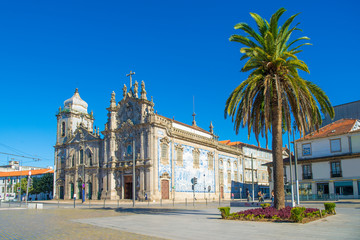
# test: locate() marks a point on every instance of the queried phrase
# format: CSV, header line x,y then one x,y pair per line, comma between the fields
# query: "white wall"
x,y
321,147
351,168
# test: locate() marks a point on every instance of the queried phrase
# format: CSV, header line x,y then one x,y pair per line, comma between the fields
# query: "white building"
x,y
253,159
329,161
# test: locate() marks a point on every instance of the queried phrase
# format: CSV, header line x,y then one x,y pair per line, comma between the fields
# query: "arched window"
x,y
63,129
164,154
90,159
129,149
73,161
81,156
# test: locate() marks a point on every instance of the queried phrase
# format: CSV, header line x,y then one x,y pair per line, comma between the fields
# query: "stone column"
x,y
112,193
142,183
331,188
172,169
355,188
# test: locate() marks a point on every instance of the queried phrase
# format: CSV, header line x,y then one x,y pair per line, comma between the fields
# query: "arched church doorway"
x,y
89,190
71,190
61,192
128,187
164,189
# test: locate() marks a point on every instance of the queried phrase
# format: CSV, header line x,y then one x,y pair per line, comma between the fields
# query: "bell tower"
x,y
73,115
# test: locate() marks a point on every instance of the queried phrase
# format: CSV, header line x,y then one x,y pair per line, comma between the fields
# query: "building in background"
x,y
347,110
13,175
168,154
260,157
328,162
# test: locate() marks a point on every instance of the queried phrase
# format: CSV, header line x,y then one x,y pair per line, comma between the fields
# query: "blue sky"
x,y
179,48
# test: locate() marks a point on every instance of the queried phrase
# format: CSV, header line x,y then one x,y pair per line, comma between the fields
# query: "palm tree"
x,y
273,93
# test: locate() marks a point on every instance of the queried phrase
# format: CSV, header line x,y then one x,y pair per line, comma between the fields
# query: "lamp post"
x,y
291,178
296,172
27,188
252,177
134,183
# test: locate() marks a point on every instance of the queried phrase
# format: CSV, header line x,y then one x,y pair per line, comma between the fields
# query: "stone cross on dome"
x,y
129,75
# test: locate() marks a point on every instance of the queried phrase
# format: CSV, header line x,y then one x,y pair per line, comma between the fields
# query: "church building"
x,y
165,155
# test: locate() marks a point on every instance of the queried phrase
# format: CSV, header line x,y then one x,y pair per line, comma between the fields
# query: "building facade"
x,y
14,174
254,170
168,154
328,162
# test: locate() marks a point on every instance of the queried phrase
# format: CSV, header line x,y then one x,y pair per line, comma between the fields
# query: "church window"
x,y
90,159
81,156
210,160
63,129
164,153
179,156
129,149
229,164
221,176
229,177
196,156
236,176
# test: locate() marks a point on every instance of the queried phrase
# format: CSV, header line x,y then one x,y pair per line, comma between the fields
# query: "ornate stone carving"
x,y
136,86
124,91
143,91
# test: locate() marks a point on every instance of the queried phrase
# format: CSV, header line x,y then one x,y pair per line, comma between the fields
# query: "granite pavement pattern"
x,y
58,224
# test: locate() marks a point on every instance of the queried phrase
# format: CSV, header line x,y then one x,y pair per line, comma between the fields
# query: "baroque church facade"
x,y
167,154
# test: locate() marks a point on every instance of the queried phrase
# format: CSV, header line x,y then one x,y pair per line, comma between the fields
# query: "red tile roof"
x,y
184,124
338,127
229,143
26,172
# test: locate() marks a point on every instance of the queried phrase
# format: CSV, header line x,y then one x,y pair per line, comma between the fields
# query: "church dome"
x,y
76,103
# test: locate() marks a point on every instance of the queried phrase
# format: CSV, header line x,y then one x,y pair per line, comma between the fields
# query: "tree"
x,y
273,93
23,185
47,183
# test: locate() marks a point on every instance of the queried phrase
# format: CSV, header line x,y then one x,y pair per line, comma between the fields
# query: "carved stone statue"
x,y
136,86
143,91
124,91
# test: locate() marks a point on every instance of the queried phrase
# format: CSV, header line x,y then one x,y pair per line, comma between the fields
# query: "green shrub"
x,y
275,217
265,205
262,216
234,215
330,208
249,216
297,214
225,212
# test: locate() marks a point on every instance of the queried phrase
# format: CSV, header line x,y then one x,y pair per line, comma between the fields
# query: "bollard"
x,y
58,203
104,202
118,202
160,202
186,202
74,202
206,201
173,202
89,202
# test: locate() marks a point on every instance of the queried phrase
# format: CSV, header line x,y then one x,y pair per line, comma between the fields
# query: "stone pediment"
x,y
81,134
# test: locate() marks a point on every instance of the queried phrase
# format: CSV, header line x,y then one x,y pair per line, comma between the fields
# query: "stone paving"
x,y
199,222
205,224
57,224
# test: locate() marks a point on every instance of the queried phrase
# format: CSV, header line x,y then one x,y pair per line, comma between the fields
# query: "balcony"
x,y
307,176
336,174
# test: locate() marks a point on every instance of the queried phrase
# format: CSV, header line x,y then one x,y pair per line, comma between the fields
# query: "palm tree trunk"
x,y
279,194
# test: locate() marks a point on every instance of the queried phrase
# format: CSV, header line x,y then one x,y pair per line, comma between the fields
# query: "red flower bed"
x,y
271,212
